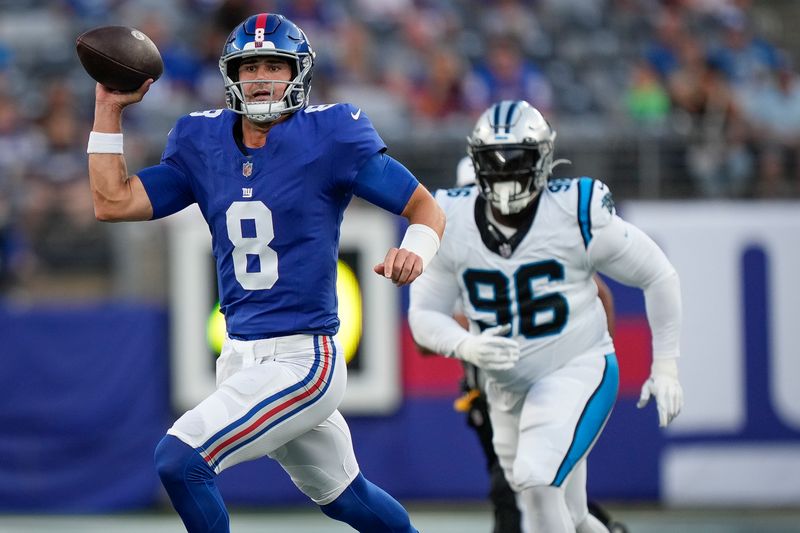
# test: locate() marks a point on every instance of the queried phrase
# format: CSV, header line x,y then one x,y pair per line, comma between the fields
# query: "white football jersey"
x,y
539,280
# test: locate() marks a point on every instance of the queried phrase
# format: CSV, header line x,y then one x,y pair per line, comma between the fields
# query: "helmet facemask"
x,y
267,36
510,176
294,96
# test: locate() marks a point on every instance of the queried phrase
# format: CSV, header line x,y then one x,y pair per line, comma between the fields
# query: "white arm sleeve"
x,y
432,299
628,255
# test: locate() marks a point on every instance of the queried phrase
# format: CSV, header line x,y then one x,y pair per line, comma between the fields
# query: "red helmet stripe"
x,y
261,24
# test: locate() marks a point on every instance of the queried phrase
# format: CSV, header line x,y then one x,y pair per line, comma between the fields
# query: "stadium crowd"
x,y
702,89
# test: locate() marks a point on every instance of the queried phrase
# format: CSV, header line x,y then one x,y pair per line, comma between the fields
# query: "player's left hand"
x,y
400,265
663,384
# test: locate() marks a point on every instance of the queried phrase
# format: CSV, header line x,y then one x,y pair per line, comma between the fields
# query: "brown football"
x,y
119,57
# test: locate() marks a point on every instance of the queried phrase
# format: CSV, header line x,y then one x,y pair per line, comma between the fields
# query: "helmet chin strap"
x,y
264,112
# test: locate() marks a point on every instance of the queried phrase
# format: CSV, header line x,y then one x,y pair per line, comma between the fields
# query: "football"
x,y
119,57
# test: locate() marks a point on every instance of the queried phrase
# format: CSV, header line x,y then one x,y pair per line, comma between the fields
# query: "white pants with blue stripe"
x,y
541,435
278,398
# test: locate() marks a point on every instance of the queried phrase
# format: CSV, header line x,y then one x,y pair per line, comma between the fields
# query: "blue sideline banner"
x,y
83,391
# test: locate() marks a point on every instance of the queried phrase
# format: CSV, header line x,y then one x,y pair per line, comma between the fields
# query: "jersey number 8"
x,y
552,308
250,230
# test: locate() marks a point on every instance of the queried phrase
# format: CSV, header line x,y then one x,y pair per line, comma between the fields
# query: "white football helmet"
x,y
511,148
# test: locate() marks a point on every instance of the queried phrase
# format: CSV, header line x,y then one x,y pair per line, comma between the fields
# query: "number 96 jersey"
x,y
539,280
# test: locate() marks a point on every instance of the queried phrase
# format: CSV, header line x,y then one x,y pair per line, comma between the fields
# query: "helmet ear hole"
x,y
232,69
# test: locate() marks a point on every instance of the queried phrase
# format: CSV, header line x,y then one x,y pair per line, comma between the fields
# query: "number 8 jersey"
x,y
274,212
539,280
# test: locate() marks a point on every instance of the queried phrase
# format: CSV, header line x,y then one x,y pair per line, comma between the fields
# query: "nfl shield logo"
x,y
247,169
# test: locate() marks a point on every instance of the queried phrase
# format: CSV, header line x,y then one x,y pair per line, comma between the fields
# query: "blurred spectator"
x,y
326,25
663,52
507,75
419,69
6,56
229,13
7,243
647,100
439,94
360,76
316,17
378,12
66,243
208,86
356,61
743,56
181,61
516,19
773,111
21,146
717,156
91,12
407,59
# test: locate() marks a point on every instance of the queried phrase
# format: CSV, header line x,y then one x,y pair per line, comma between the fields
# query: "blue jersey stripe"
x,y
592,420
585,190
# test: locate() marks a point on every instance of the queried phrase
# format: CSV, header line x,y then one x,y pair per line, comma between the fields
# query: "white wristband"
x,y
423,241
104,143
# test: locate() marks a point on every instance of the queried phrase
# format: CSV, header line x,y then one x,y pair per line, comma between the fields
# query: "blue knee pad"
x,y
368,509
189,482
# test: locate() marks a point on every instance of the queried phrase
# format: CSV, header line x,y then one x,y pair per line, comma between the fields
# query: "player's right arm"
x,y
116,196
433,295
430,315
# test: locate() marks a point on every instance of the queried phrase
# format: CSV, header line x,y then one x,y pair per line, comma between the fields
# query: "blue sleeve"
x,y
168,185
167,188
354,141
385,182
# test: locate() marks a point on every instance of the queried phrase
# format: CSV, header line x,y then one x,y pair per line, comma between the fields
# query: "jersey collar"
x,y
493,238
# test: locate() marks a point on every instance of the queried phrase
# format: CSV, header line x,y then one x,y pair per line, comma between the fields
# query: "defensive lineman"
x,y
520,251
272,177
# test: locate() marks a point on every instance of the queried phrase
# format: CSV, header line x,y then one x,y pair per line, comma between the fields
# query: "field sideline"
x,y
429,519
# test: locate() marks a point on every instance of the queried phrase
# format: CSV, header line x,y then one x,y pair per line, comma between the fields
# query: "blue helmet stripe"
x,y
497,118
510,115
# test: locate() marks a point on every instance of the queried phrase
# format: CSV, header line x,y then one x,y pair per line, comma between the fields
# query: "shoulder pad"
x,y
208,113
594,206
449,198
320,107
183,126
586,200
339,109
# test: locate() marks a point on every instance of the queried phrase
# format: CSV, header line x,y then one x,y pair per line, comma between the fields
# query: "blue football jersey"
x,y
274,214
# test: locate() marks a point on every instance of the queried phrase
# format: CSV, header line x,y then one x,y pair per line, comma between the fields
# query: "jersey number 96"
x,y
538,315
